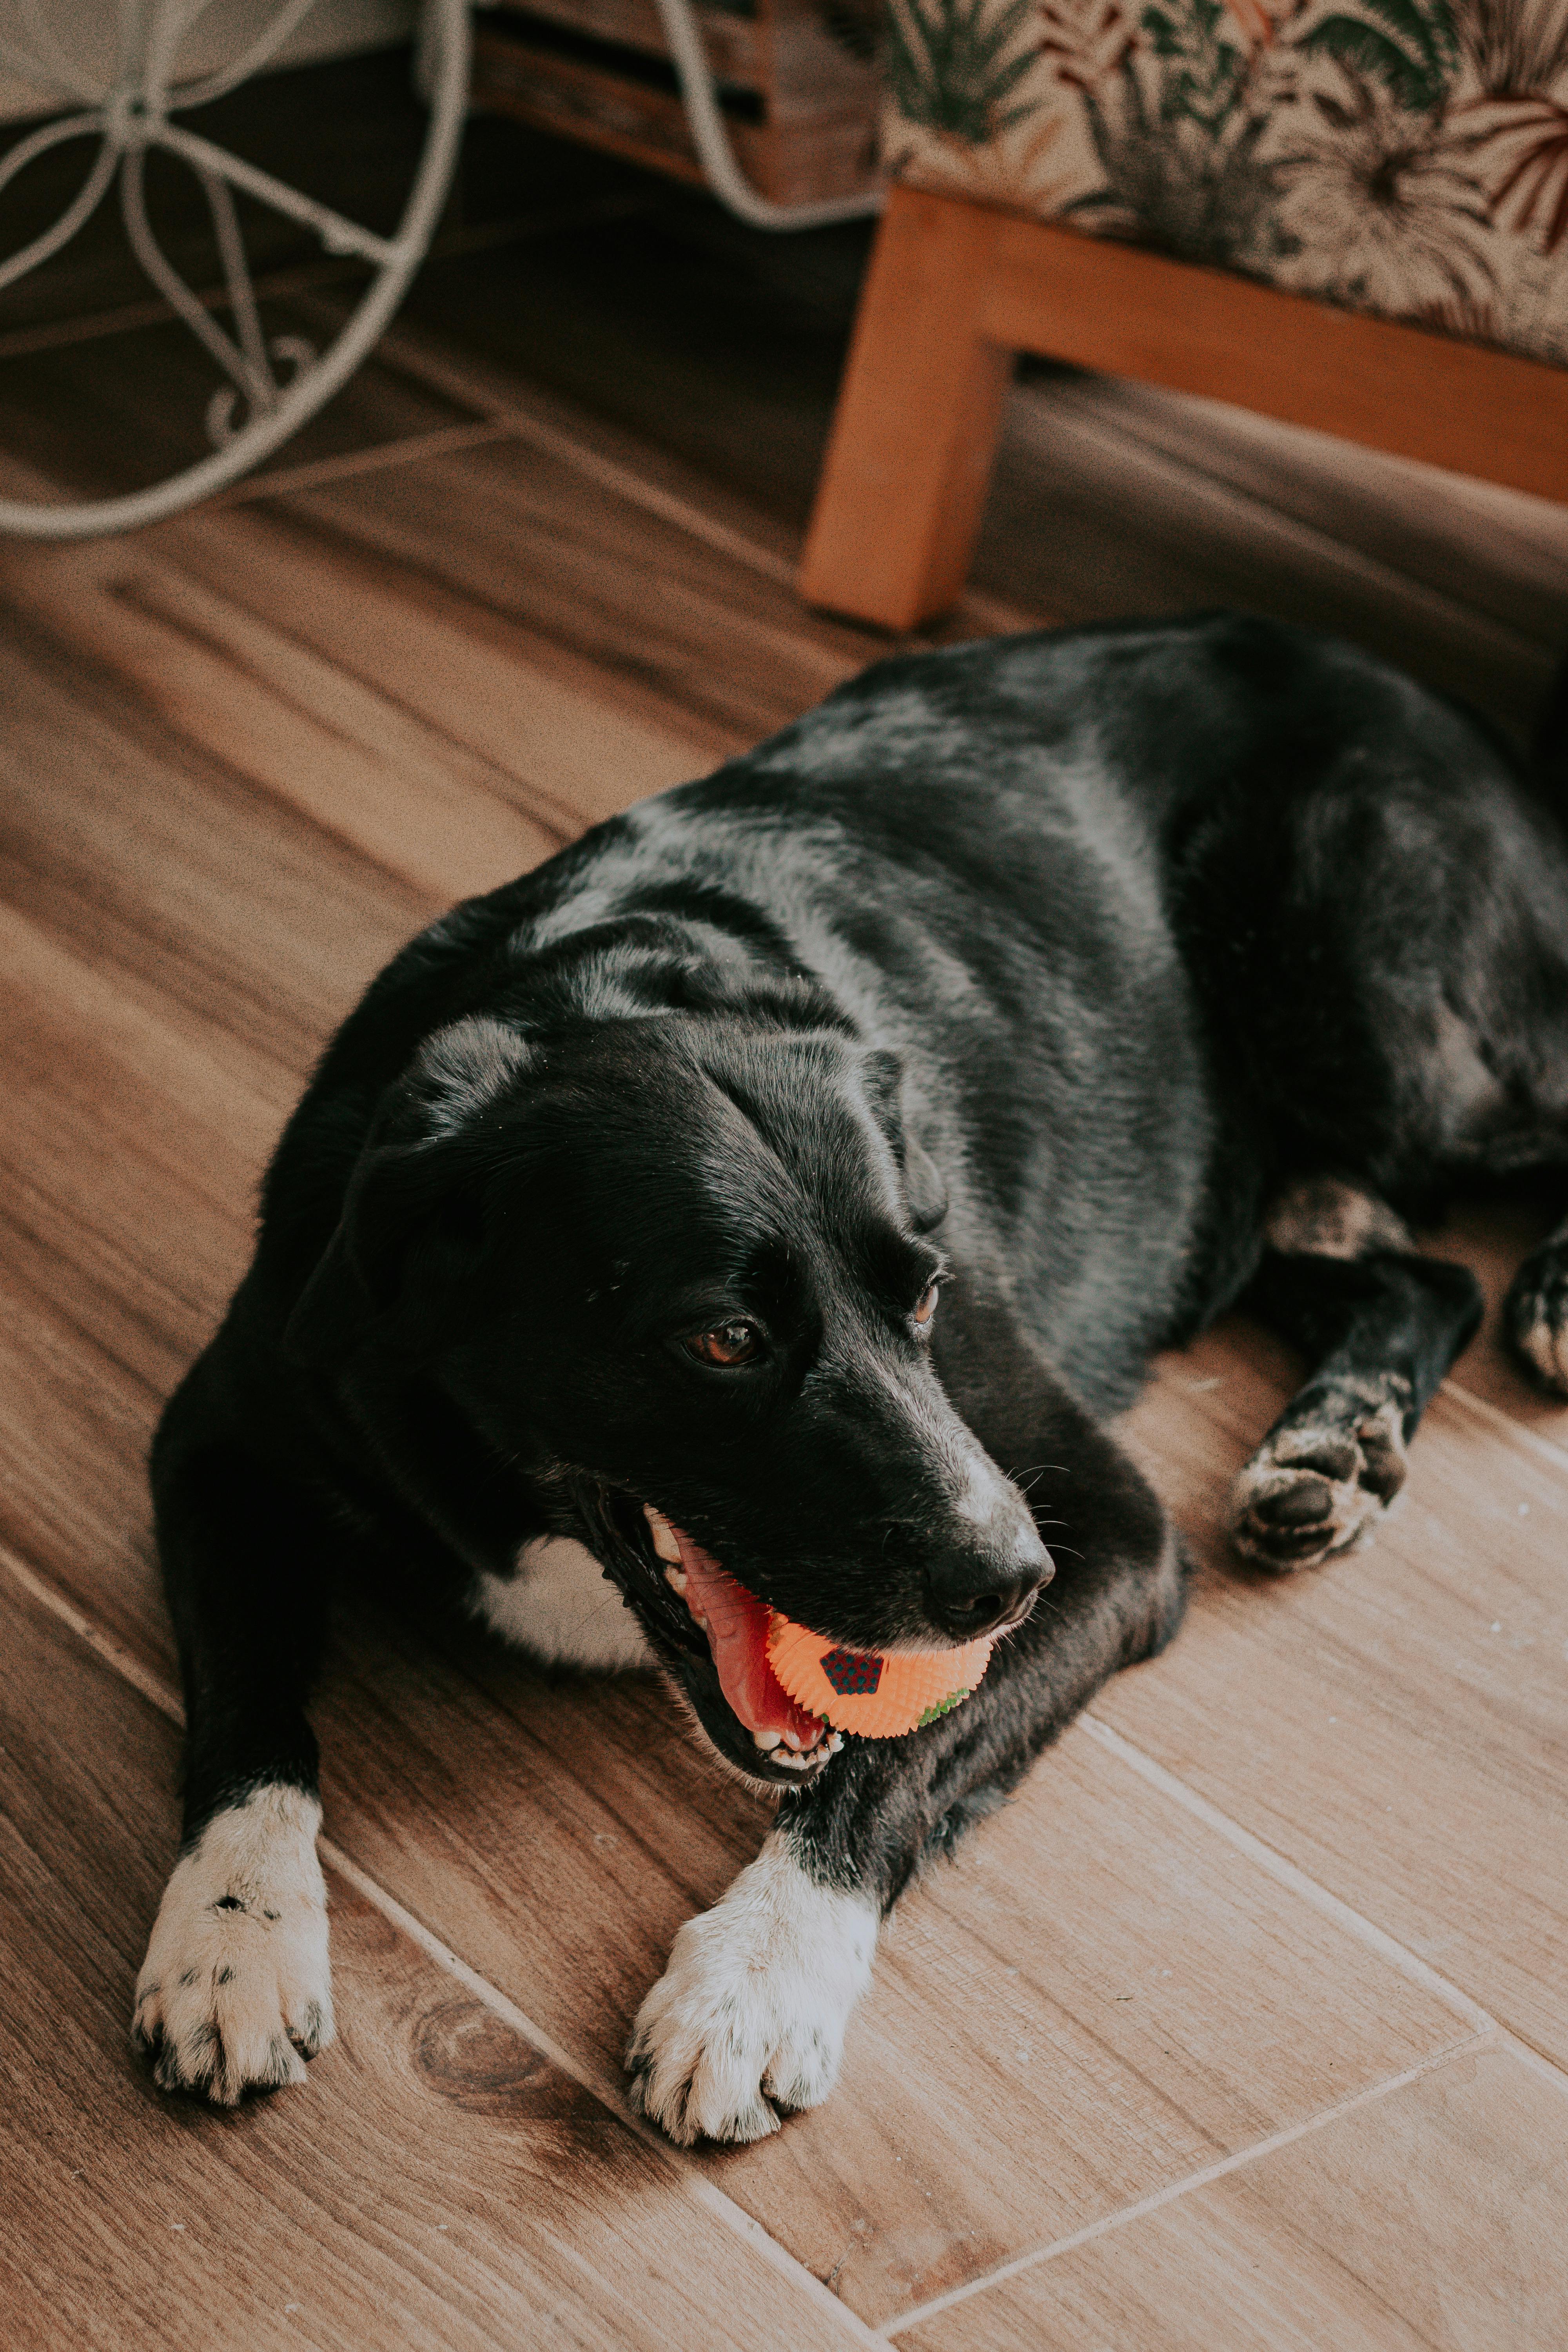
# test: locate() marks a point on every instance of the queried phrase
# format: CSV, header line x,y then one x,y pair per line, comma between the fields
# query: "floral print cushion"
x,y
1404,156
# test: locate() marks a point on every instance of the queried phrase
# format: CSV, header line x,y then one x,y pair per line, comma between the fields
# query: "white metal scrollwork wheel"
x,y
274,384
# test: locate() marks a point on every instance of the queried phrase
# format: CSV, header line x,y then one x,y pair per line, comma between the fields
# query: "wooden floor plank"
x,y
1428,2220
576,742
105,430
152,859
437,2183
1394,1721
357,767
510,547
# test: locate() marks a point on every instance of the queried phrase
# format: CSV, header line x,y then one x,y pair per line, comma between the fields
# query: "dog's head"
x,y
685,1267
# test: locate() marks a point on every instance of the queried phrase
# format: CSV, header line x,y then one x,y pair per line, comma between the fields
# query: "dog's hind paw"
x,y
235,1991
1326,1470
1537,1315
747,2022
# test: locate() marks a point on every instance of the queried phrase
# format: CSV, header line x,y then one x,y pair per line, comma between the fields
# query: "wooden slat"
x,y
783,49
1414,394
817,156
802,110
1430,2221
579,102
729,36
437,2183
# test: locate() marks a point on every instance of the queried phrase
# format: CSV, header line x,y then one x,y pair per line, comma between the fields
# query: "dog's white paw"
x,y
235,1991
749,2017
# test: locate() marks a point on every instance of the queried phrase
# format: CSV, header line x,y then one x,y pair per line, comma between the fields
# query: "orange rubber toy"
x,y
877,1697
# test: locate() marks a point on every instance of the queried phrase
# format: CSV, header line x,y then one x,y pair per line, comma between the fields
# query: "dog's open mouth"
x,y
736,1625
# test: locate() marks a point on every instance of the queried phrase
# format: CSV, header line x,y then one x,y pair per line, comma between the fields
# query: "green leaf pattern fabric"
x,y
1408,157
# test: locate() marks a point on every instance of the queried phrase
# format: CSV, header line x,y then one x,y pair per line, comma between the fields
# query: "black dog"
x,y
1087,982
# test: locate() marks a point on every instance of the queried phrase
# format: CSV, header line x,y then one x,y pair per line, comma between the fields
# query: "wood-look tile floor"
x,y
1244,2025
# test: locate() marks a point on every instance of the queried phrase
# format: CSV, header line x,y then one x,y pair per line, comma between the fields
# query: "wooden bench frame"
x,y
956,288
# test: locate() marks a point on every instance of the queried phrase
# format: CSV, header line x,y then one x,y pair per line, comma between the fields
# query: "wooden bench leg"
x,y
908,460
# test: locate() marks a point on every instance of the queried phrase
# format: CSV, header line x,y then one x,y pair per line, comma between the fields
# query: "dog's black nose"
x,y
964,1613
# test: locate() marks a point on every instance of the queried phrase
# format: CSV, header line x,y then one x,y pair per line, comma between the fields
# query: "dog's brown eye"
x,y
925,1305
727,1343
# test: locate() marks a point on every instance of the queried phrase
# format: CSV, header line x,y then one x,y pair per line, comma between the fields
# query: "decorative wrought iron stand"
x,y
274,382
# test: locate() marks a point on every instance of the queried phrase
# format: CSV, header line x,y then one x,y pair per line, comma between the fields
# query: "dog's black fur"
x,y
1047,966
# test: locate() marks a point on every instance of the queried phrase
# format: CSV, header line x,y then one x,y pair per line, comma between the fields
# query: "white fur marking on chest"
x,y
561,1605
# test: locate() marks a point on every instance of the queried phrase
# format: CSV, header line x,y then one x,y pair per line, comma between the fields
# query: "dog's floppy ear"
x,y
925,1187
413,1203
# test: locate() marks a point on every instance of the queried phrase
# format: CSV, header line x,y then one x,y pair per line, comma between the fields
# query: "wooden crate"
x,y
797,83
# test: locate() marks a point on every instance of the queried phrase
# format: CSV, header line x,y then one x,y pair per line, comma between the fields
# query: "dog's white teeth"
x,y
666,1542
794,1739
834,1742
766,1740
676,1578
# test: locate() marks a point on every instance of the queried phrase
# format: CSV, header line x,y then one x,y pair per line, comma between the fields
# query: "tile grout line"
x,y
1333,1907
625,482
1546,2069
502,423
705,2192
103,1645
1252,2154
607,473
1288,1874
405,451
409,352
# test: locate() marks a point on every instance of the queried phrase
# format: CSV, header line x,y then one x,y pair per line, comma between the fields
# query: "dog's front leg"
x,y
236,1991
748,2020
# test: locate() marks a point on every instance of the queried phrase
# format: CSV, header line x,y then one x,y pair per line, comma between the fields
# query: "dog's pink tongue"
x,y
736,1623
